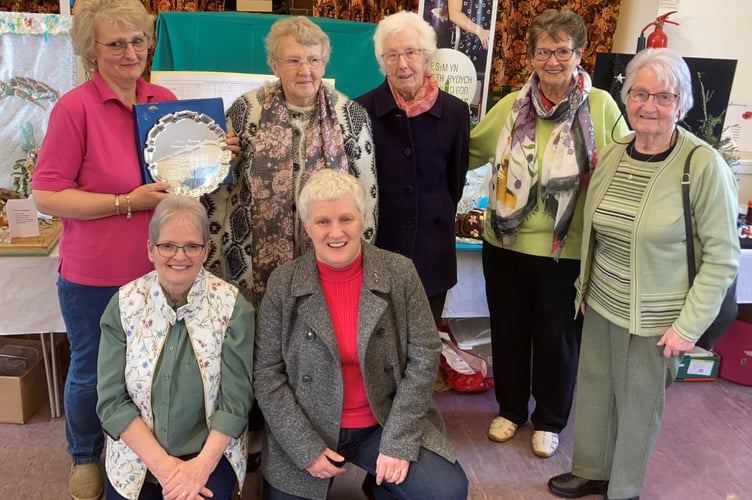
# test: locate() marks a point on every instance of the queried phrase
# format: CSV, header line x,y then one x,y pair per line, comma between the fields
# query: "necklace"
x,y
655,157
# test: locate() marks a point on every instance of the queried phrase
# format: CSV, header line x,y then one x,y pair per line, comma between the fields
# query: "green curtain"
x,y
234,42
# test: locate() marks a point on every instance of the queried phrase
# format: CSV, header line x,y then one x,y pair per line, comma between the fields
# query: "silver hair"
x,y
670,70
302,30
328,184
398,22
183,208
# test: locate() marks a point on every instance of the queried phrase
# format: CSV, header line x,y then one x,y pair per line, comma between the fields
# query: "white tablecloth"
x,y
467,299
744,283
28,295
28,304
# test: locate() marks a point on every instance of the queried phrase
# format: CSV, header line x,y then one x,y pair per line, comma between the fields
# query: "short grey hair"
x,y
126,14
670,69
398,22
302,30
327,185
179,207
557,24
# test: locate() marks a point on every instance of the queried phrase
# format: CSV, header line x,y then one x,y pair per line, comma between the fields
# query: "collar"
x,y
384,103
305,278
144,91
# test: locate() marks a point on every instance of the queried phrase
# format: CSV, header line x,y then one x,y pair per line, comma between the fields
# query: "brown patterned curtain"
x,y
33,6
369,11
510,66
153,6
157,6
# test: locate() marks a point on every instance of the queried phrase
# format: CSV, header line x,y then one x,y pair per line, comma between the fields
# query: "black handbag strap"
x,y
688,217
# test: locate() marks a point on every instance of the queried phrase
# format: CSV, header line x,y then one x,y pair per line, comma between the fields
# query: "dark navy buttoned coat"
x,y
421,164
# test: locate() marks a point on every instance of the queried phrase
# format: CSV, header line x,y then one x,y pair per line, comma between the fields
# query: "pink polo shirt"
x,y
90,145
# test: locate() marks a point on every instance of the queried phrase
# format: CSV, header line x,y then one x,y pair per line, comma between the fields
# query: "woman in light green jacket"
x,y
642,315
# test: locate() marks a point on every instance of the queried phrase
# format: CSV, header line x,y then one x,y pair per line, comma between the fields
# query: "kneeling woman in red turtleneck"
x,y
345,361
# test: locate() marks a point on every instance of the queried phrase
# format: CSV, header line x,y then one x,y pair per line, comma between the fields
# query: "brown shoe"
x,y
85,482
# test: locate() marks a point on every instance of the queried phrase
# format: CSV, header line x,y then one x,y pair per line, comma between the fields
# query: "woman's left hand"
x,y
233,144
188,481
390,469
673,344
484,36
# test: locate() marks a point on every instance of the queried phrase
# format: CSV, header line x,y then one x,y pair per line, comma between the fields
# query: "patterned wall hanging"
x,y
37,66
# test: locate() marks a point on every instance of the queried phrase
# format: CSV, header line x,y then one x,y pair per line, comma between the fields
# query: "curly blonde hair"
x,y
126,14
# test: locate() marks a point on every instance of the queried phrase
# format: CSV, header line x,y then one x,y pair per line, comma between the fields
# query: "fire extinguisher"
x,y
657,39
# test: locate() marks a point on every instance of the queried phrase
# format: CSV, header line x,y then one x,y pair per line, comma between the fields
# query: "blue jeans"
x,y
221,482
430,476
82,307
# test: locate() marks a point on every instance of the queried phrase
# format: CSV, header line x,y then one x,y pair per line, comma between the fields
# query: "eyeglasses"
x,y
661,98
296,62
410,55
562,54
118,47
191,250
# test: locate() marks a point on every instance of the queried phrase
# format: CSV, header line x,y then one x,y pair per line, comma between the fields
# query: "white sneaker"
x,y
545,443
501,430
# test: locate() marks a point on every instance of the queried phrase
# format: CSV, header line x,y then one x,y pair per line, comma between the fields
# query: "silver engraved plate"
x,y
189,150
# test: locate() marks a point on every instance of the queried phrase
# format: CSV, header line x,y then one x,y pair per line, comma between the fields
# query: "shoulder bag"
x,y
729,308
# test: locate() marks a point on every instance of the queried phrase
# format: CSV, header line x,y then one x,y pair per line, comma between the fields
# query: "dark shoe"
x,y
254,462
570,486
630,498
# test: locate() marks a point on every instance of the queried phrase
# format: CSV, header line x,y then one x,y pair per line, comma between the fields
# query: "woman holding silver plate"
x,y
88,174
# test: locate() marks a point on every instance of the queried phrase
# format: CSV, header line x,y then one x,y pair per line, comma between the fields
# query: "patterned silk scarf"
x,y
568,160
273,180
425,97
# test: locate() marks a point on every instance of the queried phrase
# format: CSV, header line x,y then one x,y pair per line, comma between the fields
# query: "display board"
x,y
462,65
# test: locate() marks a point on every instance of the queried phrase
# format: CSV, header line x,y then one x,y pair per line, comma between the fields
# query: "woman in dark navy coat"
x,y
421,136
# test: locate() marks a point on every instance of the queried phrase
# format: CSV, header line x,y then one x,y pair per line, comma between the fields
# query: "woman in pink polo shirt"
x,y
88,174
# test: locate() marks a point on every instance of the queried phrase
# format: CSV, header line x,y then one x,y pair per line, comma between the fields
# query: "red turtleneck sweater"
x,y
342,291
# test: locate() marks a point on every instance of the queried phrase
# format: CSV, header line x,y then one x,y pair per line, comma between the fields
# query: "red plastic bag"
x,y
465,372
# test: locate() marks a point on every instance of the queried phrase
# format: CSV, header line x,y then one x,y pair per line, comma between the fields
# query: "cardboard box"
x,y
23,395
254,6
698,365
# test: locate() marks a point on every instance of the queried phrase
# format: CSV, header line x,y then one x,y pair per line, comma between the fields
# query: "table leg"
x,y
48,374
55,388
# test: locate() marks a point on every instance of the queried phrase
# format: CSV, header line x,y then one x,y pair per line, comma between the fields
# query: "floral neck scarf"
x,y
274,184
568,159
424,99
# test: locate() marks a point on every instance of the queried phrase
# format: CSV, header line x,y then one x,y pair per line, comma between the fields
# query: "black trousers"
x,y
535,337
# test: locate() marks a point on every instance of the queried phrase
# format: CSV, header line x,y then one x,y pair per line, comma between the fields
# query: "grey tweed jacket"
x,y
298,377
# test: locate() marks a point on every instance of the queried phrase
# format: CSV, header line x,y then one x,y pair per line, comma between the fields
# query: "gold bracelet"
x,y
129,213
117,204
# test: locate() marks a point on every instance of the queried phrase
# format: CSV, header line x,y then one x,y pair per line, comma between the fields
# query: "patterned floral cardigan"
x,y
235,216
